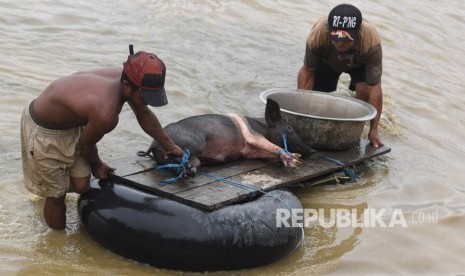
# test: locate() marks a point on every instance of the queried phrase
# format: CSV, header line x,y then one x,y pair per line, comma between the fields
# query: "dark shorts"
x,y
326,79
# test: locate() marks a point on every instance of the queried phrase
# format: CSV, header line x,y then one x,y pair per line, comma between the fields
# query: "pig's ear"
x,y
272,113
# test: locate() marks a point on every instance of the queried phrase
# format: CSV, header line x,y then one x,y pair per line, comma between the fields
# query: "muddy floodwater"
x,y
220,55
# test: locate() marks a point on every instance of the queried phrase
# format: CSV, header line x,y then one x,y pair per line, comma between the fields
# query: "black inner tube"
x,y
151,229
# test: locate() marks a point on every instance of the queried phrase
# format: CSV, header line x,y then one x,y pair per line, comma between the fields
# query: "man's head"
x,y
344,23
147,72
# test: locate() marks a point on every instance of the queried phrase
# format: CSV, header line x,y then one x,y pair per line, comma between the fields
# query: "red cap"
x,y
147,72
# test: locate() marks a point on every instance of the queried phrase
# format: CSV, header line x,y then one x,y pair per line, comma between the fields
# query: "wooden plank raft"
x,y
207,192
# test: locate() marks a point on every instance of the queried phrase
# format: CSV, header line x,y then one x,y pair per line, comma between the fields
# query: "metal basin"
x,y
324,121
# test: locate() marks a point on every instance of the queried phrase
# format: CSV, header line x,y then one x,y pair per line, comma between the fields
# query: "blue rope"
x,y
284,150
233,183
348,172
180,168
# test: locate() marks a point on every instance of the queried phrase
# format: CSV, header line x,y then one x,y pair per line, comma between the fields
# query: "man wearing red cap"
x,y
61,127
341,43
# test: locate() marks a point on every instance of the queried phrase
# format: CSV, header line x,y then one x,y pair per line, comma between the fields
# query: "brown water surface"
x,y
220,55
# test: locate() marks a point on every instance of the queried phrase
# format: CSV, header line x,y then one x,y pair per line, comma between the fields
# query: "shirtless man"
x,y
61,127
342,42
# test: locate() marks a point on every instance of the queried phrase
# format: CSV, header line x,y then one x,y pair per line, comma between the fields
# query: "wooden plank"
x,y
314,167
130,165
308,170
213,196
149,179
225,170
205,191
270,177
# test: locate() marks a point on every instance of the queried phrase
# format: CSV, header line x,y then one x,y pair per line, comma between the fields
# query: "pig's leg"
x,y
194,163
194,142
260,142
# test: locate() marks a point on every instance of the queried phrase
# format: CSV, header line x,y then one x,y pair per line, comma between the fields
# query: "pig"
x,y
216,138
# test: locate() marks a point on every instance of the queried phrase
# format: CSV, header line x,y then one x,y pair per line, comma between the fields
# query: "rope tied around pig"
x,y
182,167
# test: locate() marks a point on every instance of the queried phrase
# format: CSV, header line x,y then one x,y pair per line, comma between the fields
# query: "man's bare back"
x,y
73,100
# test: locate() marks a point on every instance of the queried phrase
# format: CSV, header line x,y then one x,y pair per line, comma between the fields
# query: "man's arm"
x,y
375,98
150,124
374,69
91,134
306,78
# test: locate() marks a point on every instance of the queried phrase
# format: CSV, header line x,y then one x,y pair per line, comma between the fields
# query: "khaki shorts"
x,y
49,158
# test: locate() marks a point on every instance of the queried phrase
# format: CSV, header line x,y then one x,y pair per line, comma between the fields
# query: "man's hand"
x,y
102,170
174,151
374,138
